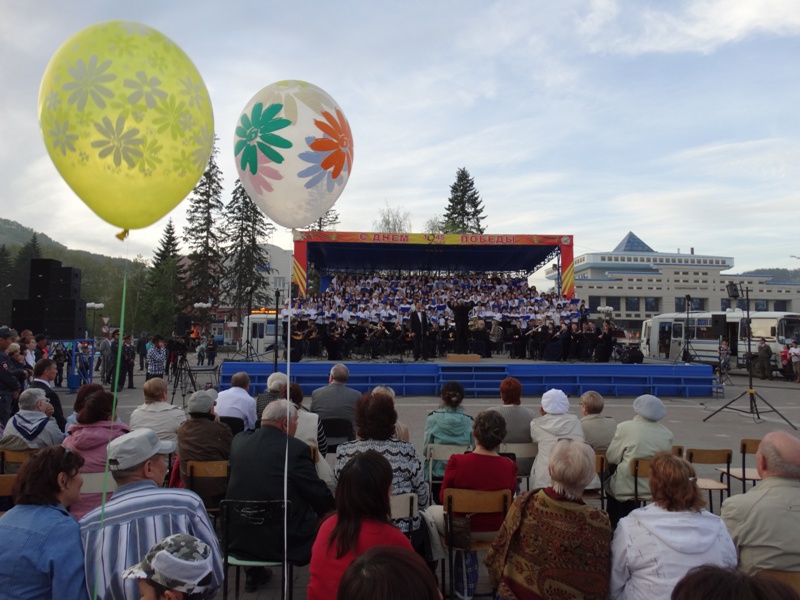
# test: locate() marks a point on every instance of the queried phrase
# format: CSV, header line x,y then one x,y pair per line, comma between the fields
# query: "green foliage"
x,y
168,245
464,211
21,272
246,258
5,288
202,236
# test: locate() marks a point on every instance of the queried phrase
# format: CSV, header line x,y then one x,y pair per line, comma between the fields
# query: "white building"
x,y
637,282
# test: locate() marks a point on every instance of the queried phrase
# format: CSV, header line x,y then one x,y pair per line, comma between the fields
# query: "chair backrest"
x,y
339,428
15,457
600,465
640,467
475,501
442,452
404,506
235,423
6,487
520,449
677,451
93,483
207,468
255,515
791,578
702,456
749,446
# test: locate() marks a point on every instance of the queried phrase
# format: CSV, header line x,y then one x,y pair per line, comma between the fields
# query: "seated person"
x,y
34,422
156,413
552,544
598,430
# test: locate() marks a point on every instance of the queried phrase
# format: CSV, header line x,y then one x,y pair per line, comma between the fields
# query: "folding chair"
x,y
440,452
257,516
745,474
469,502
11,460
6,488
791,578
209,469
640,467
521,450
235,423
600,467
338,431
677,451
404,506
698,456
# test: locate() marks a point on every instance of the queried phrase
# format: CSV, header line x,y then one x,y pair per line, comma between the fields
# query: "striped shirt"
x,y
137,516
156,357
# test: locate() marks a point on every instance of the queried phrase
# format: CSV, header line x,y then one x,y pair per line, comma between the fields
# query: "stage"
x,y
482,379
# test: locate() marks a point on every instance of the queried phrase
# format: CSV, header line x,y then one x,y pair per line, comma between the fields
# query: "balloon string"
x,y
114,380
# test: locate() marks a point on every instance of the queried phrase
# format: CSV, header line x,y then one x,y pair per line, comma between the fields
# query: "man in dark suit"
x,y
44,372
257,473
336,400
418,324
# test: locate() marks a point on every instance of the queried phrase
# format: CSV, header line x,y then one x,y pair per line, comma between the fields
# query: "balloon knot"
x,y
122,234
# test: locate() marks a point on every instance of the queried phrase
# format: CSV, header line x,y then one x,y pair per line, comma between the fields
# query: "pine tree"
x,y
21,273
326,222
464,211
248,228
164,287
202,236
168,245
5,288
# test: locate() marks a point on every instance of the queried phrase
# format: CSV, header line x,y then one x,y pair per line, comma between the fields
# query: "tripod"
x,y
750,392
182,377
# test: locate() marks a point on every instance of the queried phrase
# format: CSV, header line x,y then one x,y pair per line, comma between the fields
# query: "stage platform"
x,y
483,379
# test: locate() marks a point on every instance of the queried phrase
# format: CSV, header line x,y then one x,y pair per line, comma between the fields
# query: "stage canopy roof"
x,y
421,252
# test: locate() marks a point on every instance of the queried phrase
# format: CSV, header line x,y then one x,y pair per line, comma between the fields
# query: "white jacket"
x,y
653,549
546,431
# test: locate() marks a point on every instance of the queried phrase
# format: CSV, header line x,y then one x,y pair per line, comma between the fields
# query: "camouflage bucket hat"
x,y
178,562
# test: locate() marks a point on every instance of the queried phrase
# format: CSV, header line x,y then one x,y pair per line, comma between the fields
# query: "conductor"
x,y
461,310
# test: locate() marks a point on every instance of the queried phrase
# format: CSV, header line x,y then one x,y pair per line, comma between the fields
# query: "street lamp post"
x,y
94,307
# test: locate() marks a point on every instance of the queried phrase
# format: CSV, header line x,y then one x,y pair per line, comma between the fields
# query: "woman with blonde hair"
x,y
655,546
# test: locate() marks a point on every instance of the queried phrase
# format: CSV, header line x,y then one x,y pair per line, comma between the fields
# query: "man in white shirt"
x,y
236,401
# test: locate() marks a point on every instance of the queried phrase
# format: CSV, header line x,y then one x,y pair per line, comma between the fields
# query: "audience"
x,y
336,400
309,425
237,402
86,390
551,544
202,437
401,431
34,423
361,521
376,418
655,546
765,522
388,573
179,567
598,430
518,418
275,382
41,555
156,413
138,515
89,437
447,425
640,438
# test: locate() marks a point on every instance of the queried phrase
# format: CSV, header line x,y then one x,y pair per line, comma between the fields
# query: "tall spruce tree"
x,y
168,245
21,273
246,259
164,286
5,285
464,211
202,236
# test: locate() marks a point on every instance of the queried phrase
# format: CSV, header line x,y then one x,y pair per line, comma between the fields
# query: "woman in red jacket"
x,y
361,521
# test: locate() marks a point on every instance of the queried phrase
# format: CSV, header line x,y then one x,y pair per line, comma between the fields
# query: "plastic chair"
x,y
256,515
640,467
698,456
745,474
338,431
469,502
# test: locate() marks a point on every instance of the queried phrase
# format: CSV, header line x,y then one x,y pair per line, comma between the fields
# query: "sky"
x,y
676,120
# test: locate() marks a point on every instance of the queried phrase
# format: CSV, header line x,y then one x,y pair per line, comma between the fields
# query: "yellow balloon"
x,y
127,121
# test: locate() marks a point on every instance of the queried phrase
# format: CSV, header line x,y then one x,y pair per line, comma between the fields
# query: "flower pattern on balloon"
x,y
260,179
256,132
170,113
337,142
150,160
89,79
194,91
122,144
146,88
315,172
63,140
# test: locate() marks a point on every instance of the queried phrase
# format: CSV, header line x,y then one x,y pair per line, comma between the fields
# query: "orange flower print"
x,y
338,143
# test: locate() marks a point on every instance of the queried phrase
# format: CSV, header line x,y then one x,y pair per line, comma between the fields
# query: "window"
x,y
741,304
632,304
594,302
725,303
652,305
613,302
698,303
680,304
780,305
279,282
759,305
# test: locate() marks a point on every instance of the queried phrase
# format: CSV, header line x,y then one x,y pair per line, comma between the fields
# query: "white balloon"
x,y
294,152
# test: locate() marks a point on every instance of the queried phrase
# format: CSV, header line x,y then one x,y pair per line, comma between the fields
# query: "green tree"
x,y
392,220
246,258
168,245
464,211
21,273
203,237
164,287
326,222
5,285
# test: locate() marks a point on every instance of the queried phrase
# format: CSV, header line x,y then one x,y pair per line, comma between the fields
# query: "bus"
x,y
696,336
261,326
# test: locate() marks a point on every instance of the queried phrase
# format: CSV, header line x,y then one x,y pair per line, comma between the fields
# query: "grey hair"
x,y
30,398
276,381
572,467
593,402
384,389
340,373
276,411
776,462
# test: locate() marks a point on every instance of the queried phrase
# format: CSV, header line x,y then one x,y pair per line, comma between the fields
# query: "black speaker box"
x,y
26,310
183,324
64,329
67,308
718,322
41,276
65,283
